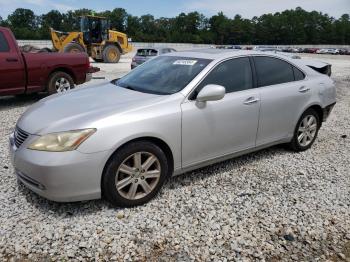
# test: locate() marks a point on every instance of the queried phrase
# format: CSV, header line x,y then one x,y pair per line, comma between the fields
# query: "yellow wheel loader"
x,y
95,38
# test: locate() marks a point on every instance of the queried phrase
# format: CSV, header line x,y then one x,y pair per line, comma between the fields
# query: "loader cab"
x,y
94,28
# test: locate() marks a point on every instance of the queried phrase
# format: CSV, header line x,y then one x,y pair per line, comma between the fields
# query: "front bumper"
x,y
59,176
91,70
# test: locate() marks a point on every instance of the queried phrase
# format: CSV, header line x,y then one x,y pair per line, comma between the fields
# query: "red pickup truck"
x,y
25,73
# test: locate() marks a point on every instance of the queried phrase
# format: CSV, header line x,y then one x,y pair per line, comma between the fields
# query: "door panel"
x,y
282,98
12,73
220,127
281,106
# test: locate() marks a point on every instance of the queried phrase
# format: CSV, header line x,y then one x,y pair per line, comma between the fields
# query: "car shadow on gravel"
x,y
63,210
66,210
9,102
226,166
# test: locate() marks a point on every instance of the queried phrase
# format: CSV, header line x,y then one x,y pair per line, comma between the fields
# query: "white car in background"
x,y
332,51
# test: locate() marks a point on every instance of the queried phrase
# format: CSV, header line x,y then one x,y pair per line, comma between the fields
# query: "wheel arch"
x,y
61,69
155,140
318,110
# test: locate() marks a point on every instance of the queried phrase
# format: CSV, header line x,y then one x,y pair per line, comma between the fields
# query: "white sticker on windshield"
x,y
185,62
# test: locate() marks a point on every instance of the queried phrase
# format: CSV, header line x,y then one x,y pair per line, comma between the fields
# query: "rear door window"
x,y
4,46
272,71
235,75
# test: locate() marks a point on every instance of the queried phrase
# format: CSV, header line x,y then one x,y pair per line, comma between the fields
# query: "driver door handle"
x,y
251,100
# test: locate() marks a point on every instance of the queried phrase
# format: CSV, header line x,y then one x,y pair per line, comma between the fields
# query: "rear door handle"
x,y
304,89
11,59
251,100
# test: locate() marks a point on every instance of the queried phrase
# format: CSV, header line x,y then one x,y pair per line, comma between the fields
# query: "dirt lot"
x,y
271,205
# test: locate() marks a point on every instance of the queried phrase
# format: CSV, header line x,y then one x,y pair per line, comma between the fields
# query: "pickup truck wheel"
x,y
111,54
60,82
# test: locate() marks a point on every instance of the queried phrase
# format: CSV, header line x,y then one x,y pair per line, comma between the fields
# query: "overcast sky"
x,y
170,8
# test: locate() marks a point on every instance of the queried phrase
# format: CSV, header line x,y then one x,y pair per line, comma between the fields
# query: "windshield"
x,y
163,75
146,52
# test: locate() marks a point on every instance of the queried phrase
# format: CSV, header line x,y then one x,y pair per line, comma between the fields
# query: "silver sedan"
x,y
175,113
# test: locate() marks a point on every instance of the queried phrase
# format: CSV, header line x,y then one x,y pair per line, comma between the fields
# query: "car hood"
x,y
80,107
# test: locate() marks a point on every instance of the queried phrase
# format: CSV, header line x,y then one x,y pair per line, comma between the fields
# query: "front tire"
x,y
111,54
306,131
73,48
134,174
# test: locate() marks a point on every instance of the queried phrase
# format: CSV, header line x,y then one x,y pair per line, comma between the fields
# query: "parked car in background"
x,y
296,50
344,51
178,112
332,51
233,47
310,50
322,51
267,49
25,73
144,54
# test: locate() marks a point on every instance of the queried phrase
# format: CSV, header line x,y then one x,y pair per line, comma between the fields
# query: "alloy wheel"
x,y
138,175
307,130
62,85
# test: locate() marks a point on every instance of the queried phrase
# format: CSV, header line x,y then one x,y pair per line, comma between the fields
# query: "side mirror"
x,y
211,93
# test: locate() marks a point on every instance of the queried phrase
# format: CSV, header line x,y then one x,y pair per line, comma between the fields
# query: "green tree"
x,y
117,17
53,19
219,26
289,27
24,23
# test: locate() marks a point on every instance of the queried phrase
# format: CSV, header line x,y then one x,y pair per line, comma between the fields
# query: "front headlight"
x,y
63,141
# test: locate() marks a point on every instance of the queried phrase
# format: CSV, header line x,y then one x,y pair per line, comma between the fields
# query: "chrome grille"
x,y
20,136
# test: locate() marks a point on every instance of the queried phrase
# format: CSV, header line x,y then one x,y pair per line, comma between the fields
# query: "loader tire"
x,y
73,48
111,54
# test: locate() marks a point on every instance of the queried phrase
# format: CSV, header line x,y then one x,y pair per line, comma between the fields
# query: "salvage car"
x,y
332,51
176,113
144,54
33,72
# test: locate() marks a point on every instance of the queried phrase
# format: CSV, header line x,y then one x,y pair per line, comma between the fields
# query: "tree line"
x,y
289,27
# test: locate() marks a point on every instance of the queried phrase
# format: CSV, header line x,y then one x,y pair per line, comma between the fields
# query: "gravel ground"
x,y
271,205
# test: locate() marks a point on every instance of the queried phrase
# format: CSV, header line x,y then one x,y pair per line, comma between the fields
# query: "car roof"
x,y
154,48
219,54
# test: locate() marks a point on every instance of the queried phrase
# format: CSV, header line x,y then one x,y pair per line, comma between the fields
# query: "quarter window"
x,y
272,71
298,75
4,47
235,75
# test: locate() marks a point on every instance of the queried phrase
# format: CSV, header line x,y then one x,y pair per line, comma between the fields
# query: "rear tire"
x,y
128,182
111,54
306,131
73,48
59,82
